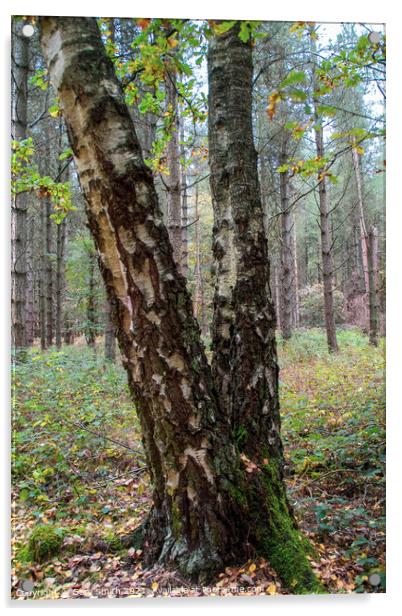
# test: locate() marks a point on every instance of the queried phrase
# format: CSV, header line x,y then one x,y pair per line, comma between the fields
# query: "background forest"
x,y
79,476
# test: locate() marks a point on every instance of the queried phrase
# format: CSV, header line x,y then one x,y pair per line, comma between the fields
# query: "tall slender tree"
x,y
326,242
173,183
19,87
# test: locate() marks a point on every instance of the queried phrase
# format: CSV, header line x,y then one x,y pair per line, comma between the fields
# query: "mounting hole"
x,y
28,30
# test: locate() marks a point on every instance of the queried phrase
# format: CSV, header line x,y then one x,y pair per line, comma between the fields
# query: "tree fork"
x,y
208,511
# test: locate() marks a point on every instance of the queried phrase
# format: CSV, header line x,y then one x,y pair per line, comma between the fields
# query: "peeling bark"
x,y
207,510
244,352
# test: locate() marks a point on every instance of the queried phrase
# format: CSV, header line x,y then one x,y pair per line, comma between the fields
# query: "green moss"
x,y
278,538
114,543
240,436
44,542
22,555
236,493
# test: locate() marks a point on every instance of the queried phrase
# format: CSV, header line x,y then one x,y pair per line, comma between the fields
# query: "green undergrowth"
x,y
333,429
77,460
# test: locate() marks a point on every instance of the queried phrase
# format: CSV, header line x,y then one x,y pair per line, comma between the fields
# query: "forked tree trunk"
x,y
207,510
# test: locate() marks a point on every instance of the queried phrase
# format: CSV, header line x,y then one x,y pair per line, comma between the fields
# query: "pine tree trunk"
x,y
49,276
287,261
197,273
30,289
90,330
296,303
19,88
326,255
207,510
362,224
326,244
60,272
184,206
173,182
277,298
43,279
373,277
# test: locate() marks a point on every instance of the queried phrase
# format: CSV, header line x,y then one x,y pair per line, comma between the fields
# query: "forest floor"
x,y
78,470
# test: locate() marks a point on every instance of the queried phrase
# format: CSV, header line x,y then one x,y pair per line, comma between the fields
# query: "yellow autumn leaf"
x,y
271,590
252,567
154,585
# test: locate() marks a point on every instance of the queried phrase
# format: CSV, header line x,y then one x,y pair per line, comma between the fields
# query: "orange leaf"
x,y
143,23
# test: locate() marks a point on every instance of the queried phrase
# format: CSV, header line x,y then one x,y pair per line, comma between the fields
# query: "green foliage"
x,y
161,49
39,79
293,78
60,395
44,543
333,427
248,30
312,306
26,178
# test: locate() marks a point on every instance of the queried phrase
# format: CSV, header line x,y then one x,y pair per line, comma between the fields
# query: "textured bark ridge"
x,y
207,511
244,362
